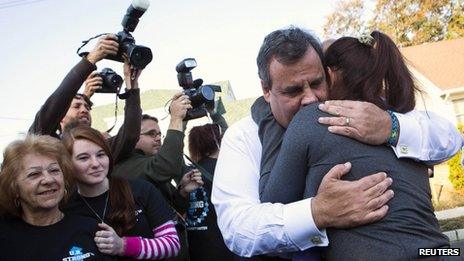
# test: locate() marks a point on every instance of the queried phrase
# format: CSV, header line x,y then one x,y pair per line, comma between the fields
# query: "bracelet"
x,y
394,134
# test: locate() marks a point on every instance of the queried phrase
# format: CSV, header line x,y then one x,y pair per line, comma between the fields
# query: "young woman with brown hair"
x,y
205,239
134,220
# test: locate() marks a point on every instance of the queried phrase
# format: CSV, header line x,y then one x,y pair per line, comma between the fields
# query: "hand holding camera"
x,y
118,46
139,56
131,74
107,45
199,94
93,83
179,106
108,81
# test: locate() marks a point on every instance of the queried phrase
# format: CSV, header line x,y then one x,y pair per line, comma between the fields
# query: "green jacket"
x,y
158,169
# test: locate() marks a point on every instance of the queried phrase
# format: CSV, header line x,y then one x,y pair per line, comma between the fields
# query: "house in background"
x,y
439,69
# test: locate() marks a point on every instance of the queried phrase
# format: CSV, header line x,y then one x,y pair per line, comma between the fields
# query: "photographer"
x,y
65,105
152,160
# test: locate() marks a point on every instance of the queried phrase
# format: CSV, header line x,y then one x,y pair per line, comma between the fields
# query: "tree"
x,y
456,171
407,22
456,23
412,22
347,19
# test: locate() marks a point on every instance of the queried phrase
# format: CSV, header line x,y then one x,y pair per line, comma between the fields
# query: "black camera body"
x,y
200,99
201,96
139,55
112,82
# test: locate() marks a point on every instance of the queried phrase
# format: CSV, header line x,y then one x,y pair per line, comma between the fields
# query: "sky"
x,y
40,38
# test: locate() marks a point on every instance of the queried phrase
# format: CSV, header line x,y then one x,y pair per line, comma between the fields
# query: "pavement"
x,y
450,213
456,236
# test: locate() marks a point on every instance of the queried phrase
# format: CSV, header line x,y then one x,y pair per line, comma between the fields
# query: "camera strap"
x,y
121,96
203,171
84,43
115,114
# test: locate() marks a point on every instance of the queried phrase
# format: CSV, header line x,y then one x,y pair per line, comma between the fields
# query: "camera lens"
x,y
201,95
207,93
140,56
115,80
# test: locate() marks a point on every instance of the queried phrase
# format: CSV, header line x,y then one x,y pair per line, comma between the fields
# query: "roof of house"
x,y
441,62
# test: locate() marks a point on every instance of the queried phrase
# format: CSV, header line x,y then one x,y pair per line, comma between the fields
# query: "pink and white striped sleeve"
x,y
164,244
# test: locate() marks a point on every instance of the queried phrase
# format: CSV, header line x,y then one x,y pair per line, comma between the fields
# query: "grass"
x,y
454,200
451,224
151,99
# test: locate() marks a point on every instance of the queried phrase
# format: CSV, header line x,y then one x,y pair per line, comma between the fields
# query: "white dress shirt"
x,y
250,227
427,137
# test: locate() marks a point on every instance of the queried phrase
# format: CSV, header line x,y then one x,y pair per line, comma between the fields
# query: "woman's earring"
x,y
17,203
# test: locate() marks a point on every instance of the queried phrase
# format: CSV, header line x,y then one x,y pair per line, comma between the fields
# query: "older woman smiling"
x,y
34,178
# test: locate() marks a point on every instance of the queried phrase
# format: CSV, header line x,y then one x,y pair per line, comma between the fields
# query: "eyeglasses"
x,y
153,134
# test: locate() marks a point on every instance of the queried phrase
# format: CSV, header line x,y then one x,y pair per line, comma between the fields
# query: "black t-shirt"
x,y
205,238
151,209
69,239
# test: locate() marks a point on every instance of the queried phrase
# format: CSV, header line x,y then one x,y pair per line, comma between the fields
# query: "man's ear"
x,y
62,124
331,76
266,93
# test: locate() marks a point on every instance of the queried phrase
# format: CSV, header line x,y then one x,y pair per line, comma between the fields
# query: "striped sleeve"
x,y
164,244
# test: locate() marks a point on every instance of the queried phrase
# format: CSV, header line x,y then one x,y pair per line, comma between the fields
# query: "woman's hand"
x,y
108,242
362,121
190,182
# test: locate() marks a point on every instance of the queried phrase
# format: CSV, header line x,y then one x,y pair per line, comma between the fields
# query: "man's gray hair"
x,y
287,46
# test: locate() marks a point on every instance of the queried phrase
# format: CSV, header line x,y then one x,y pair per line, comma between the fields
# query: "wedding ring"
x,y
347,121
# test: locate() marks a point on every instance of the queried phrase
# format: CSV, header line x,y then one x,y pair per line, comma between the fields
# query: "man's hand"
x,y
106,45
92,83
108,242
190,182
344,204
131,74
179,106
178,109
358,120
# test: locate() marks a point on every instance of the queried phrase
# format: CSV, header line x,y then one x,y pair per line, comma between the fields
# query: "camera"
x,y
112,82
201,96
139,55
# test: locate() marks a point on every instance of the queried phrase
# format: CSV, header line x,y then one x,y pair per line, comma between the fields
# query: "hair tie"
x,y
366,40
